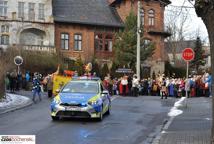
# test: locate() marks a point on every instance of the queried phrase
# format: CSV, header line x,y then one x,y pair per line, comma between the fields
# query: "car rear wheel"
x,y
54,118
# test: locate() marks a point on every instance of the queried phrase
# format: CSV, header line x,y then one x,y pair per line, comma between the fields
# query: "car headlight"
x,y
93,102
57,100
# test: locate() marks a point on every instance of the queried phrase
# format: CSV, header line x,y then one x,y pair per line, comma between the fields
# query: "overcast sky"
x,y
194,23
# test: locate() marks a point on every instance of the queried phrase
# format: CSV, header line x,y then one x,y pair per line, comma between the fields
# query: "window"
x,y
31,11
151,17
64,41
99,42
5,40
77,42
21,9
108,43
41,11
3,8
103,42
142,16
4,29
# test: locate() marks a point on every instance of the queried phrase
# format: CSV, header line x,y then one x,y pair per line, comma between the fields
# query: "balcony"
x,y
166,32
50,49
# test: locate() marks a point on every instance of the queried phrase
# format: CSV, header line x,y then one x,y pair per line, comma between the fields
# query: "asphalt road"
x,y
132,120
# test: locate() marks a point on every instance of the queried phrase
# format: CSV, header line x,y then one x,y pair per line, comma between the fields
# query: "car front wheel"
x,y
109,110
101,115
54,118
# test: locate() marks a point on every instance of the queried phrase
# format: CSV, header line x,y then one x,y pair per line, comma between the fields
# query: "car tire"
x,y
101,115
109,110
54,118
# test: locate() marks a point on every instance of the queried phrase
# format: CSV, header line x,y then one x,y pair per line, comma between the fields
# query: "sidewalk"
x,y
18,100
193,126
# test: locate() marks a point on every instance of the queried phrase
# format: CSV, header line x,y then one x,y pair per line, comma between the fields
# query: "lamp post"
x,y
138,39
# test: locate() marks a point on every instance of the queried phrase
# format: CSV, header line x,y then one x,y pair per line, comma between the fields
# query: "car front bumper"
x,y
75,112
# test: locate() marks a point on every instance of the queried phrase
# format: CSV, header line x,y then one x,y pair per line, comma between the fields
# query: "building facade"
x,y
27,23
85,29
152,21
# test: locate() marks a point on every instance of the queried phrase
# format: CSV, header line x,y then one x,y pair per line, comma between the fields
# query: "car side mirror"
x,y
105,92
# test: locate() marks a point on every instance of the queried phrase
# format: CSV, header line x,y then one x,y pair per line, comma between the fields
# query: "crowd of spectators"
x,y
130,85
193,86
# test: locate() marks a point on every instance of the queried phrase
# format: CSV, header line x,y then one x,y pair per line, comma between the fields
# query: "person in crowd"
x,y
36,87
171,88
106,82
19,81
135,84
208,85
115,86
7,81
50,85
187,86
27,79
176,87
13,80
163,89
124,83
149,86
154,88
192,87
129,79
145,86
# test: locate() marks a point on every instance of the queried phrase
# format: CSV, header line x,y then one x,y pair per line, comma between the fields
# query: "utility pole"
x,y
138,39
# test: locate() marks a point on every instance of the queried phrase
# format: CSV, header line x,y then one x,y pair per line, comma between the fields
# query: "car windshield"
x,y
81,87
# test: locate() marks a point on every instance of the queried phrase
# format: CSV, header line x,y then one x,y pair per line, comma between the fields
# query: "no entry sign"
x,y
188,54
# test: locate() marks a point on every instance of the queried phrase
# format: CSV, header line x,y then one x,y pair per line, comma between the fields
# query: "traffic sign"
x,y
18,60
188,54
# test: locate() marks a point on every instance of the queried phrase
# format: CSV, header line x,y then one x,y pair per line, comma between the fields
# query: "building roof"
x,y
89,12
179,46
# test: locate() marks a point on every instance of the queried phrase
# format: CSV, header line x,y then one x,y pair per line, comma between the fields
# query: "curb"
x,y
165,127
156,140
28,103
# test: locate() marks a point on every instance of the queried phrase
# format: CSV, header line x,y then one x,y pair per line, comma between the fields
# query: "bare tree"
x,y
6,64
177,21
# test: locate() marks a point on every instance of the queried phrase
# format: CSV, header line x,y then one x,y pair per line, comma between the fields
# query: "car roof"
x,y
85,78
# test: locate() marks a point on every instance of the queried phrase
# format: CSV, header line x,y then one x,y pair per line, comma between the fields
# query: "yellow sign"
x,y
59,82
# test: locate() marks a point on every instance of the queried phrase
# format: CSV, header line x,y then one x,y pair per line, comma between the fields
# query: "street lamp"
x,y
138,39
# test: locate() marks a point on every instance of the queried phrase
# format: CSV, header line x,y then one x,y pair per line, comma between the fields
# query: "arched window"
x,y
142,15
151,15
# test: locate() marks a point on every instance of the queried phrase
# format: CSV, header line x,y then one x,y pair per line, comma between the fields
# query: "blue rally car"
x,y
81,99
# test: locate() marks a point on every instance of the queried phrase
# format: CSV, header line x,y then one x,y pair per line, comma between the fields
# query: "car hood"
x,y
76,97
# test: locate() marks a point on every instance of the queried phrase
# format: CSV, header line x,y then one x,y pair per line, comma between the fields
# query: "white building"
x,y
27,23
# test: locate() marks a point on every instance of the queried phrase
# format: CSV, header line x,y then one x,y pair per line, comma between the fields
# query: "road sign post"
x,y
18,60
188,54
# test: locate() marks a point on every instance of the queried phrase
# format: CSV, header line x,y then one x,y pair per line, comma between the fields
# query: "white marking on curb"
x,y
174,110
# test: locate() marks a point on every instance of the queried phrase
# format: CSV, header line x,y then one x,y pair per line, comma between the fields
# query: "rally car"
x,y
81,99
